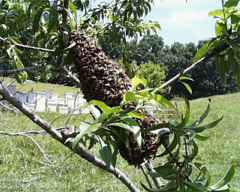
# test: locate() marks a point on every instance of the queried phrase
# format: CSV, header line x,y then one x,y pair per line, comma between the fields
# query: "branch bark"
x,y
5,40
57,136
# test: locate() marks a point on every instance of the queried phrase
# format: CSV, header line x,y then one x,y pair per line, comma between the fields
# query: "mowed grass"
x,y
24,168
29,86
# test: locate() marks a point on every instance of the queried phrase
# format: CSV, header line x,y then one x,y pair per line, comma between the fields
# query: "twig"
x,y
28,46
150,168
29,132
57,136
13,71
8,108
176,77
72,75
39,148
34,142
146,176
64,13
34,48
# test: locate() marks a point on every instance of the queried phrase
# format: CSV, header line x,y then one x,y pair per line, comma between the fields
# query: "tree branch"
x,y
64,14
34,48
71,75
32,132
176,77
14,71
5,40
57,136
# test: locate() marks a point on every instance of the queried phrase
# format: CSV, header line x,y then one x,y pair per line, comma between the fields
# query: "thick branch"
x,y
56,135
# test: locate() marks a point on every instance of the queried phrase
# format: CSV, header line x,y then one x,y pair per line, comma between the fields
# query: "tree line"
x,y
163,61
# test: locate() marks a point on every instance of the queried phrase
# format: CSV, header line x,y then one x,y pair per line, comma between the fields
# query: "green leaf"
x,y
202,51
202,117
166,171
201,137
169,187
186,116
172,146
130,97
225,180
136,115
182,78
53,20
85,128
136,81
106,154
187,86
220,28
208,126
134,129
114,157
36,20
196,187
231,3
162,100
225,188
13,54
216,13
194,150
101,105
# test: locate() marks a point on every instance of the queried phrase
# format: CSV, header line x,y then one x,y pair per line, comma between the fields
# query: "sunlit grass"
x,y
41,87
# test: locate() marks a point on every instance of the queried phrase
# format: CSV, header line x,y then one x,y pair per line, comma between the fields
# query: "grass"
x,y
42,87
23,167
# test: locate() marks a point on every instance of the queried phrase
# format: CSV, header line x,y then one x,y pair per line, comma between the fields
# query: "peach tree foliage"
x,y
47,24
175,163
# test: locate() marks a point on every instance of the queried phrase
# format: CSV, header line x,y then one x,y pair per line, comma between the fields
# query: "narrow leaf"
x,y
202,51
231,3
226,179
101,105
208,126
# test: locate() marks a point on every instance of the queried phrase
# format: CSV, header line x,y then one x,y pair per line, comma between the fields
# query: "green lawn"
x,y
41,87
23,167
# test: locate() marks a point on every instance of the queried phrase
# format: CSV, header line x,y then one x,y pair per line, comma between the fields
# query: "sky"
x,y
183,21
